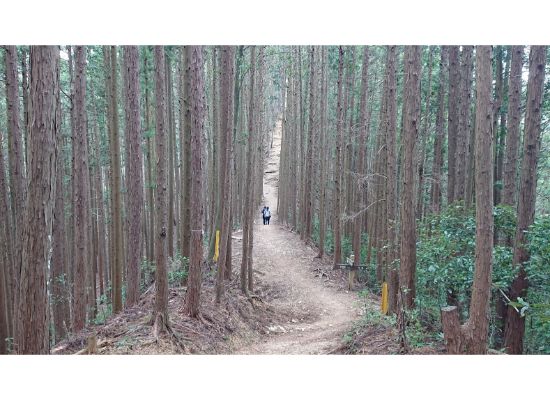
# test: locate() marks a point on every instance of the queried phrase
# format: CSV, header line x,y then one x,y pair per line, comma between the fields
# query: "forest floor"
x,y
301,304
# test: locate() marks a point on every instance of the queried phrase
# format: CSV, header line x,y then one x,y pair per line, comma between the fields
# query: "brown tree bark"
x,y
25,90
81,200
171,153
497,106
185,135
135,179
391,177
411,122
424,138
308,197
32,322
16,162
214,195
435,195
336,222
513,136
322,154
6,258
192,300
248,204
471,338
160,316
259,128
59,281
463,134
150,174
453,117
515,324
117,255
226,130
363,139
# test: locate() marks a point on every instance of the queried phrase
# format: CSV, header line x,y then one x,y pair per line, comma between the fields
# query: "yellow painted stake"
x,y
384,298
217,247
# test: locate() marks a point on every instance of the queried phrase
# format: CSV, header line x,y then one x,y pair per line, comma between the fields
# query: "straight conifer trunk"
x,y
32,323
197,102
81,200
411,124
135,179
435,196
515,324
513,136
391,177
338,167
248,204
471,338
363,139
161,246
322,154
226,128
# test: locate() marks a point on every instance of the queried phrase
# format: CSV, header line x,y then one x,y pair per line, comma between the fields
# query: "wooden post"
x,y
384,304
351,271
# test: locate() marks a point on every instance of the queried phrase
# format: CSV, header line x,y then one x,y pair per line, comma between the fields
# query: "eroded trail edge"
x,y
319,309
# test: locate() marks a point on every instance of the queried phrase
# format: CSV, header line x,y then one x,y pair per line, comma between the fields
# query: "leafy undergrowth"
x,y
235,322
377,334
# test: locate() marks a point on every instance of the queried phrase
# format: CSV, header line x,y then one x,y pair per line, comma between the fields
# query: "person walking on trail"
x,y
267,215
263,214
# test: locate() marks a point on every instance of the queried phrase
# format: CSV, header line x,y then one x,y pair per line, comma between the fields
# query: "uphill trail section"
x,y
320,311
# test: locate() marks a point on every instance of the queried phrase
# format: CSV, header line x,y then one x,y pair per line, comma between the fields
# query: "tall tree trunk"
x,y
171,152
25,87
411,122
160,316
32,321
248,204
185,128
435,196
454,90
363,139
391,177
135,179
192,300
60,292
322,154
499,94
463,136
338,167
308,196
150,181
81,200
214,195
515,323
116,204
226,128
259,128
424,134
16,163
6,257
471,337
513,136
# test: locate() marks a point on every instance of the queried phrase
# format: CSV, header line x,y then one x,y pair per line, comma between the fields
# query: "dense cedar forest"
x,y
409,188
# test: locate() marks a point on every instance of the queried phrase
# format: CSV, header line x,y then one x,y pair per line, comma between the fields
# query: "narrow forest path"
x,y
320,311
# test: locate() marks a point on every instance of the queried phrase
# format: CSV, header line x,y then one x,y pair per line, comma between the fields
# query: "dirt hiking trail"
x,y
320,311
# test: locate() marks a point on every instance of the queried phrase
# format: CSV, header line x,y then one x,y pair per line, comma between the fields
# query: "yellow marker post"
x,y
384,298
217,246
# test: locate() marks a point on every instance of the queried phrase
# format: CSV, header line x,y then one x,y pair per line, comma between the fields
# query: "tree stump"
x,y
451,329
